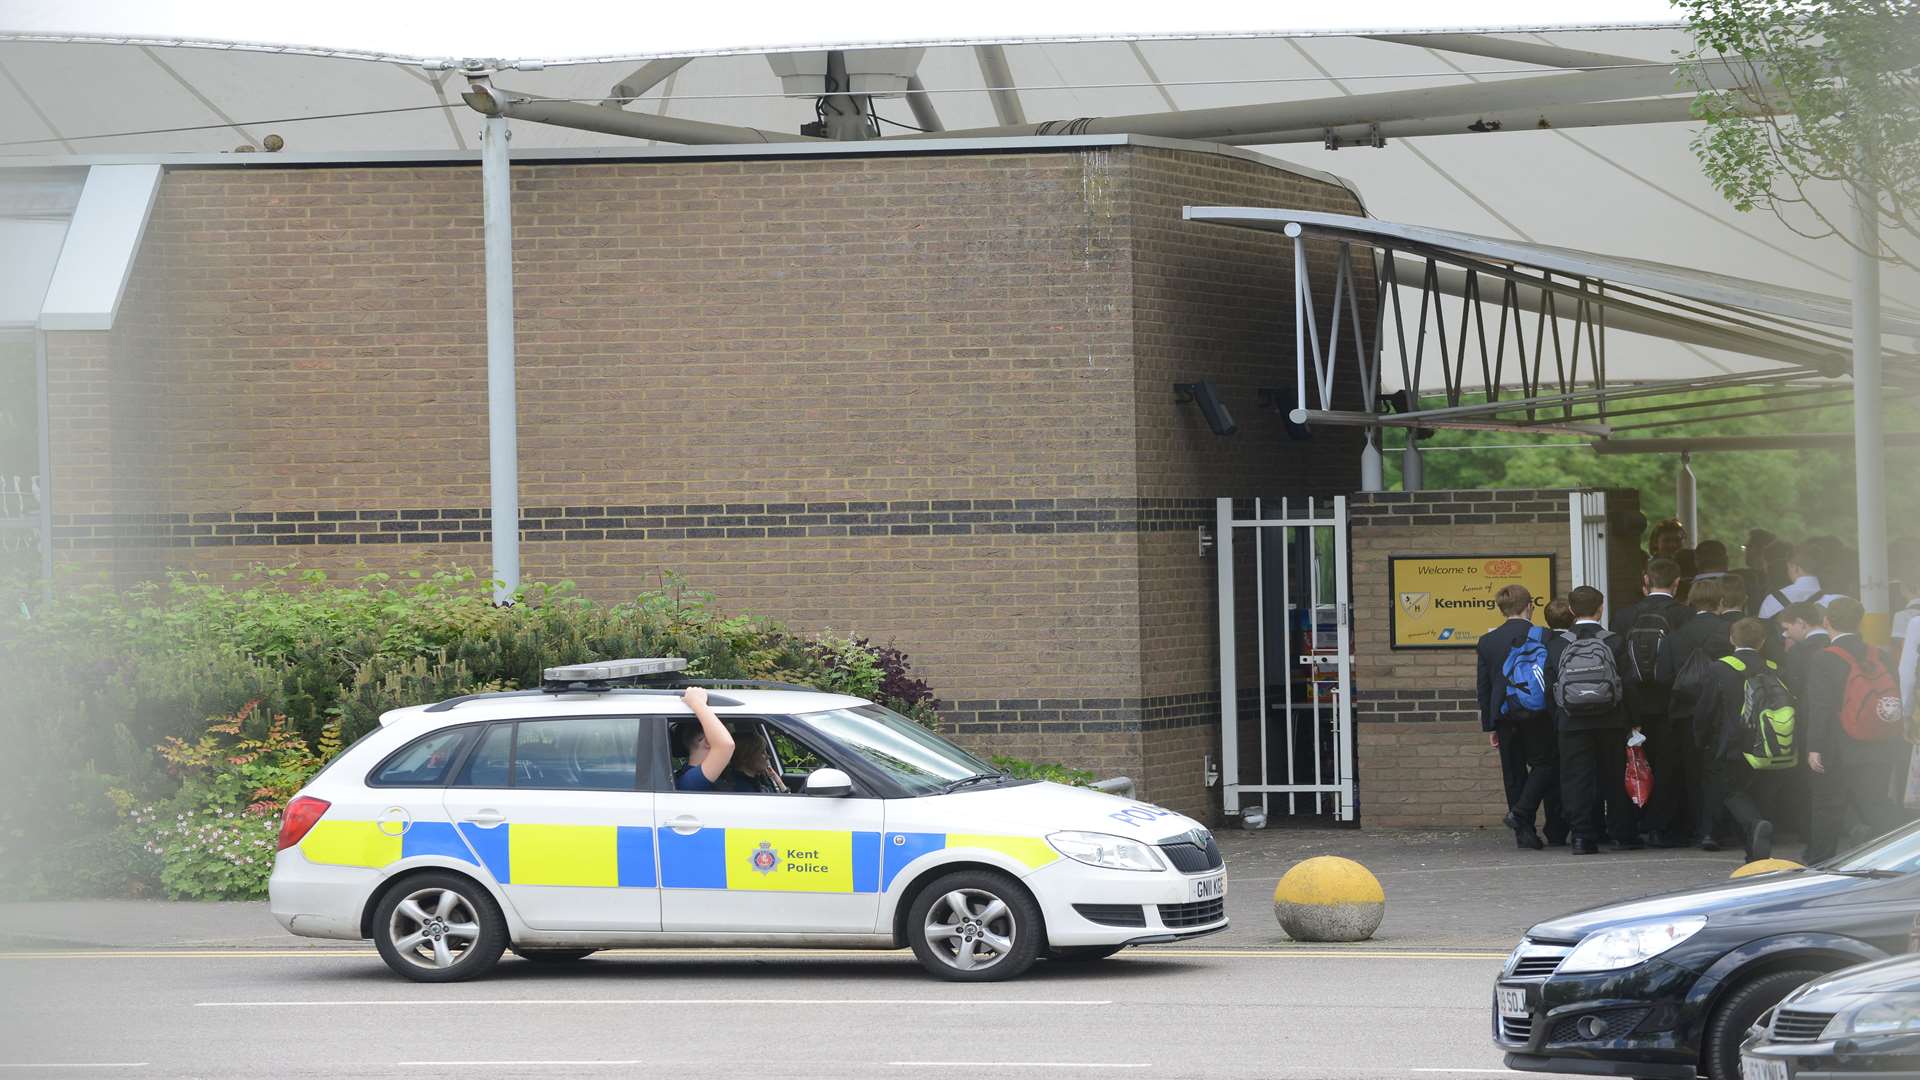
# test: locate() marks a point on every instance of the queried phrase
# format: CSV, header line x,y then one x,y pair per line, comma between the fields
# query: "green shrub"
x,y
109,695
1043,770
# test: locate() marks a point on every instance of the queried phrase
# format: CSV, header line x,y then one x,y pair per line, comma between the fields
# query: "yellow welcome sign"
x,y
1446,601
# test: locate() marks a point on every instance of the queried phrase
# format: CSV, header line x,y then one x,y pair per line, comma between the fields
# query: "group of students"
x,y
1744,720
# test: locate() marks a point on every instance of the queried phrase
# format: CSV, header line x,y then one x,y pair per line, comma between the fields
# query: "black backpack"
x,y
1691,680
1587,680
1649,629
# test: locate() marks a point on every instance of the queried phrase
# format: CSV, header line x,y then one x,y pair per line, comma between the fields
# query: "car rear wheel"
x,y
975,926
439,928
553,956
1082,954
1742,1008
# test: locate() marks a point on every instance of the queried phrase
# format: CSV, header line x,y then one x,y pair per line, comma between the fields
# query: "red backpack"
x,y
1870,708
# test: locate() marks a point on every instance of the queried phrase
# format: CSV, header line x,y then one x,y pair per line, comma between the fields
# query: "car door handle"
x,y
486,817
685,824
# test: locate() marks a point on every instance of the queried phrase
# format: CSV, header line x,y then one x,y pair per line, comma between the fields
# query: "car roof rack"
x,y
716,700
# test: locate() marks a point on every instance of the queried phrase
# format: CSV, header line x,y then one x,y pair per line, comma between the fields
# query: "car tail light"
x,y
300,816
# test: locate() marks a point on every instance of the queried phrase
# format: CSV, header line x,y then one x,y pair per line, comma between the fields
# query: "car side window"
x,y
488,764
424,761
595,753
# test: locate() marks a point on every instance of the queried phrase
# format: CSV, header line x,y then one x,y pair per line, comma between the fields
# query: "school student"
x,y
1852,734
1590,713
1511,683
1643,627
1729,776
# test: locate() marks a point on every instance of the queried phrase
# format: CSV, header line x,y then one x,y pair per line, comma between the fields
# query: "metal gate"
x,y
1286,656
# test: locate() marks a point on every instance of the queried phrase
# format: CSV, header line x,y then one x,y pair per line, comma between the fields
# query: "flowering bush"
x,y
209,854
215,839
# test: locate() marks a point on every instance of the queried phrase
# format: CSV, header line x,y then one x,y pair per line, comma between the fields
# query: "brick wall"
x,y
1422,758
926,397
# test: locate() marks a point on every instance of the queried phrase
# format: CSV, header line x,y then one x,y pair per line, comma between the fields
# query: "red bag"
x,y
1870,707
1639,776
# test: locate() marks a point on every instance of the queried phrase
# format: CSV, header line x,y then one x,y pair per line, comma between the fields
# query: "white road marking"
x,y
1472,1072
510,1064
829,1002
75,1065
1021,1064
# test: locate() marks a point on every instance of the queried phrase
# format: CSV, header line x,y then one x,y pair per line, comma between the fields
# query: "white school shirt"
x,y
1805,587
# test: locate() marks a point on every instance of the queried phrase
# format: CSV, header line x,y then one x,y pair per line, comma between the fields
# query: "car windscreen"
x,y
918,760
1896,852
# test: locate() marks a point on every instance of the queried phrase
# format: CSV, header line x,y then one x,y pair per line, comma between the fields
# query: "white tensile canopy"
x,y
1544,141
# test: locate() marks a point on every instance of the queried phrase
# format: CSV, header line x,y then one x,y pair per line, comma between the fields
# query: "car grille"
x,y
1191,858
1793,1025
1613,1025
1516,1031
1113,914
1535,967
1176,916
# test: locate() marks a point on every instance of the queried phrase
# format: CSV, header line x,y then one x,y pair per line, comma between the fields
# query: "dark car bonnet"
x,y
1749,896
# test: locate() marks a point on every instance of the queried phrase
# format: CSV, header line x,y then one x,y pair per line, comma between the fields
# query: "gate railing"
x,y
1316,682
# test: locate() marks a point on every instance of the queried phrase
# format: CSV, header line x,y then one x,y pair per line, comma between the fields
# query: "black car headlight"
x,y
1625,946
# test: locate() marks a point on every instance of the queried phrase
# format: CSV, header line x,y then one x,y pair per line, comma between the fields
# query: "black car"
x,y
1668,986
1864,1021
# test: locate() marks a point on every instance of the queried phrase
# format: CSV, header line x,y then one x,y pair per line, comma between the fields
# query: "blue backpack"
x,y
1525,673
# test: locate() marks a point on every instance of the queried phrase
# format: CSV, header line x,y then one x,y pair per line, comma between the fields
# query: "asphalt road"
x,y
152,989
1168,1012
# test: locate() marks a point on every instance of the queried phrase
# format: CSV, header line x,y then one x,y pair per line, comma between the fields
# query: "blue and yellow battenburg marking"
x,y
623,856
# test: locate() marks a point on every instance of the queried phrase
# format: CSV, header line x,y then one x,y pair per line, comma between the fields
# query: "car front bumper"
x,y
1090,905
1611,1023
1887,1057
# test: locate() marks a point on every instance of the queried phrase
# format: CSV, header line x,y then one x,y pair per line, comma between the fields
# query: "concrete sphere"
x,y
1329,899
1766,866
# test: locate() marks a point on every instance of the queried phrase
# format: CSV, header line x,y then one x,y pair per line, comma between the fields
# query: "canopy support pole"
x,y
1869,429
1686,497
503,439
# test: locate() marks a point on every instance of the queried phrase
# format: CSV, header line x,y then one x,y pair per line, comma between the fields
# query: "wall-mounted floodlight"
x,y
1280,400
1211,407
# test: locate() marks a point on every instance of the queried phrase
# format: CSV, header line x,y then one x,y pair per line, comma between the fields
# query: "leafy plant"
x,y
1022,769
1798,93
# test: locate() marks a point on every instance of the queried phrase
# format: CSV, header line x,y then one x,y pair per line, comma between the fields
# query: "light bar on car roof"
x,y
607,671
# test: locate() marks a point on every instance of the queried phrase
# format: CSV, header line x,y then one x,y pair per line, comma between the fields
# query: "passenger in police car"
x,y
716,760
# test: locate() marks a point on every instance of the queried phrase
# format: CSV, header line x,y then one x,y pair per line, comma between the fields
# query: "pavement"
x,y
156,989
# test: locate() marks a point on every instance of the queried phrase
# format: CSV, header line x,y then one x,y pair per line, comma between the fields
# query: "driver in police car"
x,y
715,762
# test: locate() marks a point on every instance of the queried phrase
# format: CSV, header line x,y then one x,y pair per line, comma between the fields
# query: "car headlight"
x,y
1886,1014
1625,946
1111,852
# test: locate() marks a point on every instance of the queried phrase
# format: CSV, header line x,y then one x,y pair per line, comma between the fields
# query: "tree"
x,y
1800,92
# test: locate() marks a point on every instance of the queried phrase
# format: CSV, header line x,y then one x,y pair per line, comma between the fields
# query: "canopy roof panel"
x,y
1570,157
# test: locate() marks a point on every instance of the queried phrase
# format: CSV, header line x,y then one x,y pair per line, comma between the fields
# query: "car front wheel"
x,y
1740,1011
439,928
975,926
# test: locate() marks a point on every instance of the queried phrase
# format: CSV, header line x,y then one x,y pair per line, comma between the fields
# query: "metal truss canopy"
x,y
1516,328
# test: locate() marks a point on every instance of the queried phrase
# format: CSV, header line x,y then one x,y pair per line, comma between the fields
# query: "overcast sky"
x,y
573,28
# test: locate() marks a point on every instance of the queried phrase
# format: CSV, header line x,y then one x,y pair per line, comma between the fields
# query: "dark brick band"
x,y
1064,716
1509,506
455,525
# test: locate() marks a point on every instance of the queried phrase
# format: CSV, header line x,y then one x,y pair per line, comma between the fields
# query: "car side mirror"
x,y
829,784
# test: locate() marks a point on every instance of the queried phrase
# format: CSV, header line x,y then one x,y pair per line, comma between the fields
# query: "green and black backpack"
x,y
1766,717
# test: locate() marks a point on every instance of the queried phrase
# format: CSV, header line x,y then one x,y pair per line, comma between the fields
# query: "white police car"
x,y
546,821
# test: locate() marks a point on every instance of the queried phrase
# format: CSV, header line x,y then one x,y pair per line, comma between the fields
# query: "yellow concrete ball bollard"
x,y
1329,899
1766,866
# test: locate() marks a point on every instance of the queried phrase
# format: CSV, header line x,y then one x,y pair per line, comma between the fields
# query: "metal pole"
x,y
1686,499
1412,470
46,463
1869,431
1372,476
503,440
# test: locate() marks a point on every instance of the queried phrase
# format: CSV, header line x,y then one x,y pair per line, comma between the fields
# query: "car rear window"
x,y
424,761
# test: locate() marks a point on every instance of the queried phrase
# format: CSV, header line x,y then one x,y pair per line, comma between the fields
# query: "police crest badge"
x,y
764,859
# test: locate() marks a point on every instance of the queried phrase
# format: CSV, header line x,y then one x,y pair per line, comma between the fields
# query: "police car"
x,y
547,822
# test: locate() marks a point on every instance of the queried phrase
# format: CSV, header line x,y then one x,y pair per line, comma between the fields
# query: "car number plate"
x,y
1513,1002
1753,1068
1210,888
